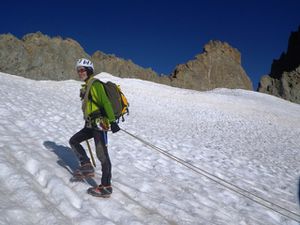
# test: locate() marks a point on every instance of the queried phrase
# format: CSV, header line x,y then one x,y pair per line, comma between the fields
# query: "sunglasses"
x,y
81,70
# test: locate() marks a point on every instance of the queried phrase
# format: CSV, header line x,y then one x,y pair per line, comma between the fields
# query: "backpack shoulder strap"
x,y
87,94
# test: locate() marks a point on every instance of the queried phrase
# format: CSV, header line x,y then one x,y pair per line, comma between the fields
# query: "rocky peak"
x,y
35,37
284,78
8,37
218,66
219,47
288,60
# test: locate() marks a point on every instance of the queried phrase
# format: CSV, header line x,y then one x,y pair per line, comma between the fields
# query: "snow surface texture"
x,y
246,138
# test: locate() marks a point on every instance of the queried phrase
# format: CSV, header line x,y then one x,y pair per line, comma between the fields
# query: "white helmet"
x,y
85,63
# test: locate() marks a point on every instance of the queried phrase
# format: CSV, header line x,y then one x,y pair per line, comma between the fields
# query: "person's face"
x,y
82,73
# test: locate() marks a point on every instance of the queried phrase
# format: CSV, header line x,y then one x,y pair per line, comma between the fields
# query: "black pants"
x,y
100,138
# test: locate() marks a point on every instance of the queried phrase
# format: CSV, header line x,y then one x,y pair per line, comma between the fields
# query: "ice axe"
x,y
91,153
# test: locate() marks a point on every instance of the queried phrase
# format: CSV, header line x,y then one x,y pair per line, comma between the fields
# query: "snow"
x,y
248,139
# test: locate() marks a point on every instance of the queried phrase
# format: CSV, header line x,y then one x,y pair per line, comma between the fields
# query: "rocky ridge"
x,y
37,56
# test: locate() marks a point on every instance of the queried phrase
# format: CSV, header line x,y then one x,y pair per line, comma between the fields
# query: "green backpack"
x,y
116,97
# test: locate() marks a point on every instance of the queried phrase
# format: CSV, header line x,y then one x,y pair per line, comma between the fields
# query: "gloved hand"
x,y
114,127
104,126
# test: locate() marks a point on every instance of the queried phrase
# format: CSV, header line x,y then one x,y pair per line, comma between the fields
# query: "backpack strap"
x,y
90,98
86,97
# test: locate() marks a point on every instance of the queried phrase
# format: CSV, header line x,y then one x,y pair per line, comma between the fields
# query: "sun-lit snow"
x,y
248,139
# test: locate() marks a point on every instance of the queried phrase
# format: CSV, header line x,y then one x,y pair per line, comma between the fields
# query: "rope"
x,y
247,194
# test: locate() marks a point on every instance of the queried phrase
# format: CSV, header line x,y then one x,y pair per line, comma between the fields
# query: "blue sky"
x,y
162,34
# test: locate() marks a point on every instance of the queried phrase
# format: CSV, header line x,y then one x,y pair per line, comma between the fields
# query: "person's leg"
x,y
100,138
76,139
104,190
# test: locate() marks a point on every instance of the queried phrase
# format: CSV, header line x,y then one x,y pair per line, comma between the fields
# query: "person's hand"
x,y
114,127
104,126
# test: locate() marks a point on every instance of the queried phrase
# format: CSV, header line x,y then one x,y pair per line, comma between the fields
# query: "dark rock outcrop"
x,y
284,78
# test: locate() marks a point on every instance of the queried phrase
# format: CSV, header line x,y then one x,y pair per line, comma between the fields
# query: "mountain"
x,y
248,139
40,57
284,78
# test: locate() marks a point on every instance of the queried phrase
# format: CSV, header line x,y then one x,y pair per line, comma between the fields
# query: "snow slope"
x,y
248,139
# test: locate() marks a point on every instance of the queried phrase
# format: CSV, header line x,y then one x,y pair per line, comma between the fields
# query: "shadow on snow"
x,y
66,159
